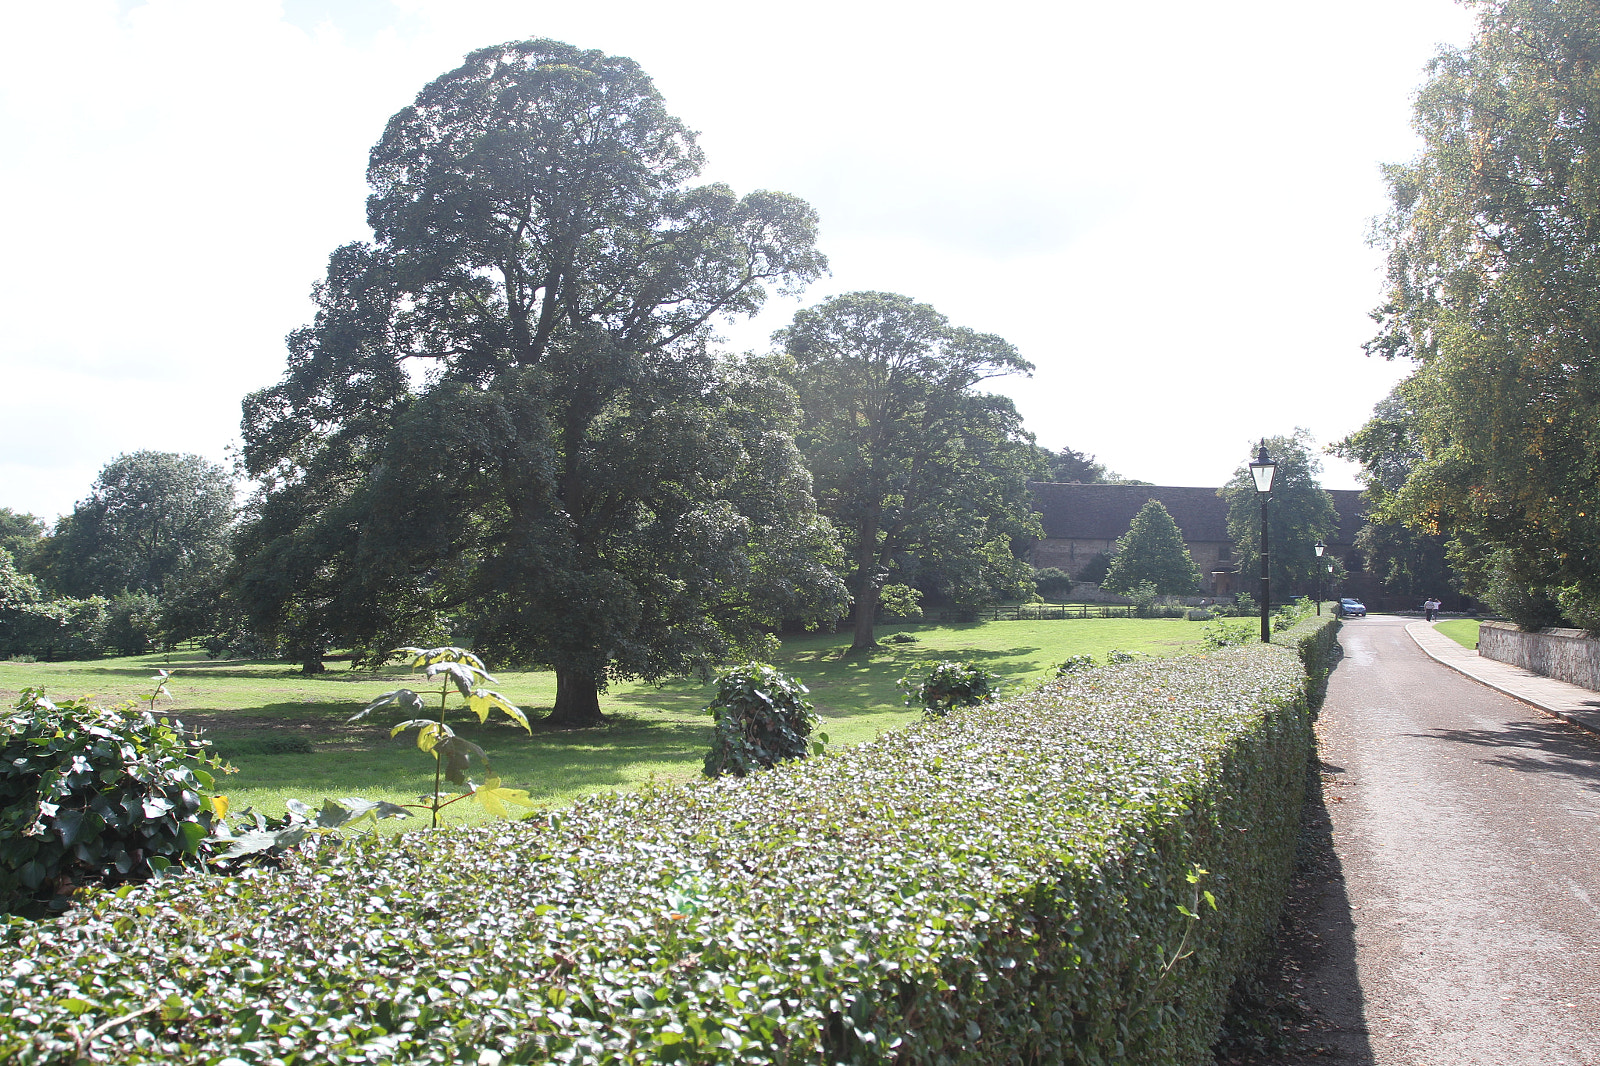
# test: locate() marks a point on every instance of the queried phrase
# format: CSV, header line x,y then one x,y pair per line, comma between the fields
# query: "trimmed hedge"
x,y
1009,883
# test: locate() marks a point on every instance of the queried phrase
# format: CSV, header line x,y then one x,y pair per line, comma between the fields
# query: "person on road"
x,y
1430,607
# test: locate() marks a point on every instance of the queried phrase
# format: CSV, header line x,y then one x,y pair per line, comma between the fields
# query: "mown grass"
x,y
1464,631
287,737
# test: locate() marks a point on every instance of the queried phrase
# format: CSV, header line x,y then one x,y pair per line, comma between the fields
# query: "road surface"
x,y
1456,918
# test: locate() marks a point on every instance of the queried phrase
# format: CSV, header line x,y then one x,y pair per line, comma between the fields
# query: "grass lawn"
x,y
1464,631
286,733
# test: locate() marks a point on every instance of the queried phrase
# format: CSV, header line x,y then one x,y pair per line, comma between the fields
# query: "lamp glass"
x,y
1262,470
1319,547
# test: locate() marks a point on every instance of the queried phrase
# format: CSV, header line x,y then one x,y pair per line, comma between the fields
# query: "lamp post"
x,y
1319,548
1262,470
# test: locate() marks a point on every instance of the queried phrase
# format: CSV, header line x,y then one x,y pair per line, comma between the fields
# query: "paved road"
x,y
1465,928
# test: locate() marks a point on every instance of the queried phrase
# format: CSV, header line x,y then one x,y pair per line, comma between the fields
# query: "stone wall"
x,y
1564,654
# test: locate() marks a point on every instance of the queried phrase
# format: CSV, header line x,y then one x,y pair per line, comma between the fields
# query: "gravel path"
x,y
1456,917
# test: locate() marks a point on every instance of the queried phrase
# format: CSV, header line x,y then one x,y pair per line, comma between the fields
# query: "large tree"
x,y
506,416
1299,513
1494,248
922,473
153,522
1153,551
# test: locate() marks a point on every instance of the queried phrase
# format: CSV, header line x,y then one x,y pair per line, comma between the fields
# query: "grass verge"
x,y
1464,631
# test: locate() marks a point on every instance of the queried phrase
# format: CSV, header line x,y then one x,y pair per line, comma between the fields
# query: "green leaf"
x,y
482,701
494,797
403,698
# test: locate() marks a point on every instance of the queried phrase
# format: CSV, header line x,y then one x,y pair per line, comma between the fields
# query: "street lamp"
x,y
1262,470
1319,548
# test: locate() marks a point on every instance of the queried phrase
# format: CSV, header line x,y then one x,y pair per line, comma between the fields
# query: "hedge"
x,y
1010,883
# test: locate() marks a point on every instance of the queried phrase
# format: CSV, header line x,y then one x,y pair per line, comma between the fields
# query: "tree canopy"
x,y
506,416
1299,514
925,477
1493,246
20,534
153,522
1153,551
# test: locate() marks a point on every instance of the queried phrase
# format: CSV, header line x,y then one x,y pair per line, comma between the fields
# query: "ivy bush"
x,y
941,687
92,795
1032,881
762,718
1074,663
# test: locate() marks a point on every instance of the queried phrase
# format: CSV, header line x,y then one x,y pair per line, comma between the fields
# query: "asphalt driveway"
x,y
1456,917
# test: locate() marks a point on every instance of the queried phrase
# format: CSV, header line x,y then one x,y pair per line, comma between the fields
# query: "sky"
x,y
1165,206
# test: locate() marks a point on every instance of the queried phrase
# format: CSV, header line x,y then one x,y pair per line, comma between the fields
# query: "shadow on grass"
x,y
547,764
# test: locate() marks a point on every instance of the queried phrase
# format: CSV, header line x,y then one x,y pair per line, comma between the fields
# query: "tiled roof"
x,y
1104,512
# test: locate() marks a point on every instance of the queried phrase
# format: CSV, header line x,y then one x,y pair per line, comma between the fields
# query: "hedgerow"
x,y
1025,882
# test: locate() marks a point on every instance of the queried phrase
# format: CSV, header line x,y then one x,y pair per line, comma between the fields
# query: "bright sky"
x,y
1164,205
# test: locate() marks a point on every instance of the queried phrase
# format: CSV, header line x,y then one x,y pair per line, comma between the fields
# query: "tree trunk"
x,y
866,612
866,590
577,700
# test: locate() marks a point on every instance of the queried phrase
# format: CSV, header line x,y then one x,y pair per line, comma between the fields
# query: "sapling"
x,y
459,669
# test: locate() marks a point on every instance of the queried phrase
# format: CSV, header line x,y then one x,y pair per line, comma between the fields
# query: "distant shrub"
x,y
1117,656
1052,582
941,687
1199,614
1073,664
762,719
1094,571
1220,634
900,638
899,601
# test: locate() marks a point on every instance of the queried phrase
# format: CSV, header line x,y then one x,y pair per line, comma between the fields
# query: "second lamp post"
x,y
1262,470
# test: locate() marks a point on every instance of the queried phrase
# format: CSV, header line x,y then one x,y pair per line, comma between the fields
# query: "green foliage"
x,y
150,518
133,623
90,795
1094,571
20,534
941,687
762,719
924,476
1038,860
452,754
1299,514
900,601
1152,553
577,479
1116,657
31,624
1493,245
1074,663
1220,634
1069,465
1052,582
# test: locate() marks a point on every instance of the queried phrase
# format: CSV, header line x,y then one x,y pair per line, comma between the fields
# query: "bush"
x,y
1198,614
762,719
93,796
1074,664
941,687
1002,885
899,601
1052,582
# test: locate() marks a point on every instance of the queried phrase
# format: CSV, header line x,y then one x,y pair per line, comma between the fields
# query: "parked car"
x,y
1349,608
